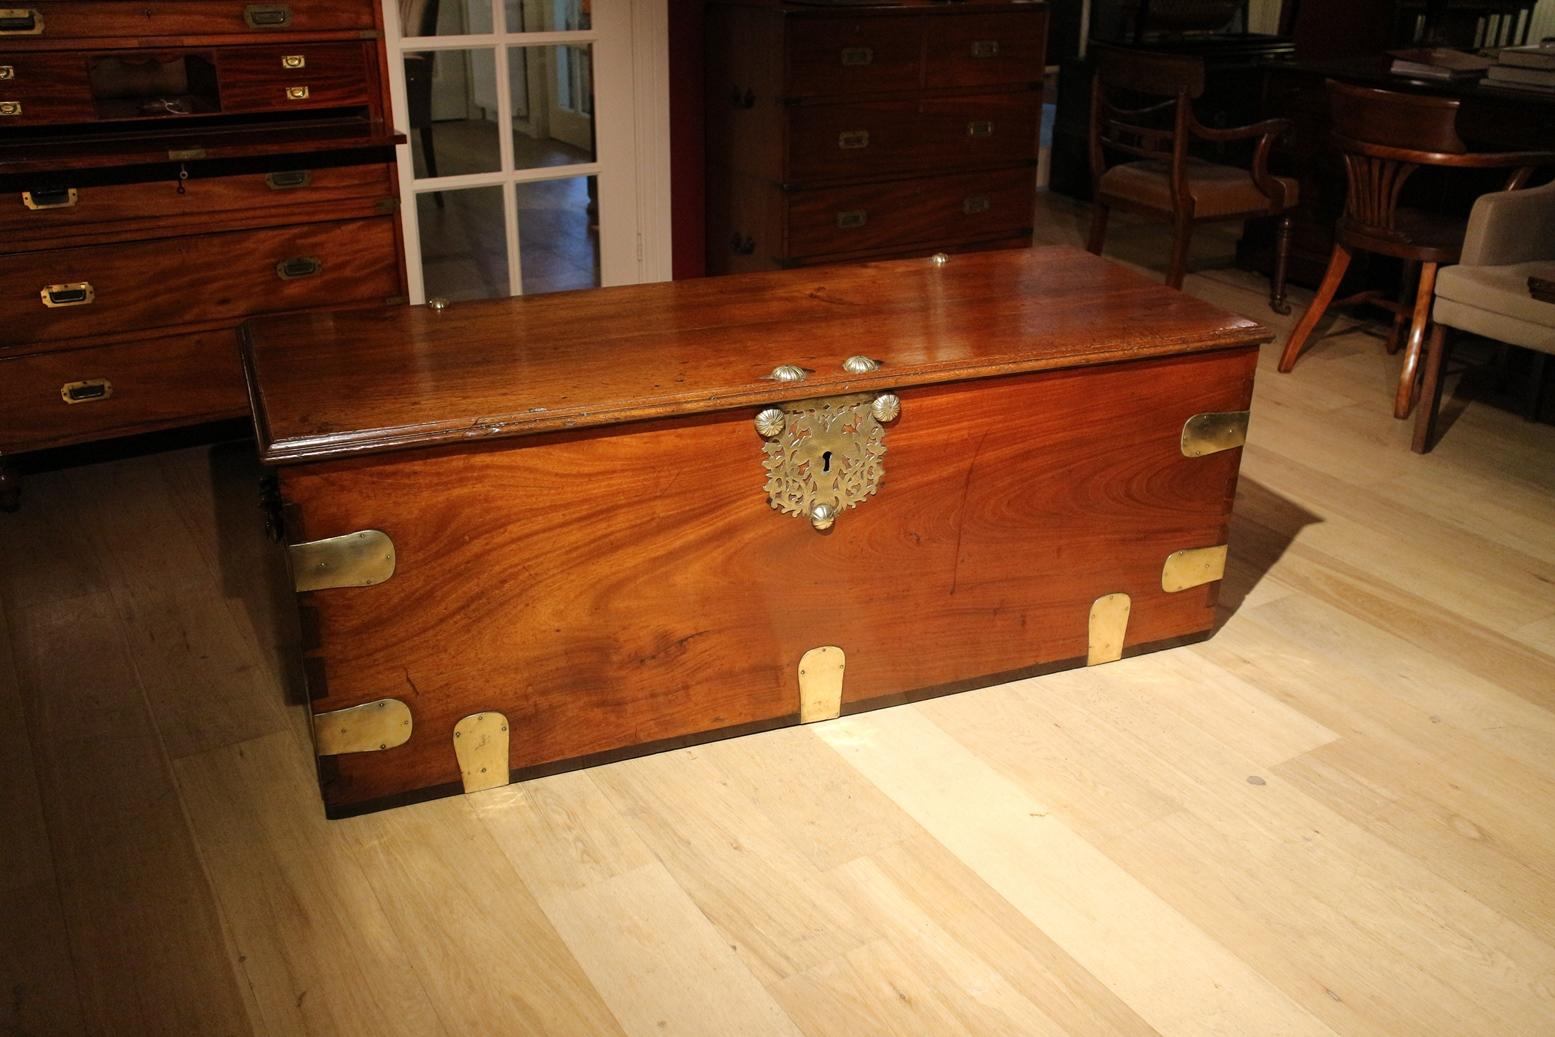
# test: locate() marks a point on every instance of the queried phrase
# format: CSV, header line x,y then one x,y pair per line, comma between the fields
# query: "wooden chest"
x,y
865,132
532,534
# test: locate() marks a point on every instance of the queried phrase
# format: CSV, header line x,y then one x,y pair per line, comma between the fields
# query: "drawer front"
x,y
936,212
42,87
56,207
262,79
840,56
119,389
63,19
69,293
880,137
986,49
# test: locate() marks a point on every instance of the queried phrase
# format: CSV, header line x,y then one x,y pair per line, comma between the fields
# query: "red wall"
x,y
688,223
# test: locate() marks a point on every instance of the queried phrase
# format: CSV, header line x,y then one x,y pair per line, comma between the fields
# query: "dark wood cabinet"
x,y
851,133
166,171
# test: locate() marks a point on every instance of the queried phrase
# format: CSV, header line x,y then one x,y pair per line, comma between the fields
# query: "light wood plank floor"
x,y
1334,817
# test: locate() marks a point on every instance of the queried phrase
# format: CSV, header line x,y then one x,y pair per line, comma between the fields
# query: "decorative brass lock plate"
x,y
826,455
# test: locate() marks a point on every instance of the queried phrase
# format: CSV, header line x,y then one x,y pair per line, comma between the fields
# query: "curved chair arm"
x,y
1511,227
1267,132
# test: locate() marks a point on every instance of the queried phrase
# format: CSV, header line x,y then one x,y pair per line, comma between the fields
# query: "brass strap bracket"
x,y
370,727
820,683
361,559
481,747
1193,567
1109,625
1214,431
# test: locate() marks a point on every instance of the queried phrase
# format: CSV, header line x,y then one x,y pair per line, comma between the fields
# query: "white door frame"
x,y
630,41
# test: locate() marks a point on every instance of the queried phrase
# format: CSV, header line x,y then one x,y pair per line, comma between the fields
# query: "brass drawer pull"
x,y
89,391
296,93
851,219
267,16
294,61
20,21
855,57
71,293
985,48
289,180
852,140
10,107
979,128
299,267
50,198
974,204
7,72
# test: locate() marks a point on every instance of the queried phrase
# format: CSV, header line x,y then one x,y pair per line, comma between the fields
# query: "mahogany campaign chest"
x,y
538,533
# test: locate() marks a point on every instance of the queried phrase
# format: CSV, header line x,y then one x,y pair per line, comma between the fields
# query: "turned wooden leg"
x,y
1099,213
1409,377
1182,235
1431,393
10,485
1406,284
1277,301
1338,263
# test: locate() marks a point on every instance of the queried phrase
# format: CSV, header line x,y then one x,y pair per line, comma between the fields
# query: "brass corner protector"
x,y
1193,567
1109,624
820,684
380,724
481,747
1214,431
360,559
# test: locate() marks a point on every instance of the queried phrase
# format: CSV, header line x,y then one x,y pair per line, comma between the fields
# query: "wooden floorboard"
x,y
1332,817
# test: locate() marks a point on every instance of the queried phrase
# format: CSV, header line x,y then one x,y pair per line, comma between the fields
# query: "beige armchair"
x,y
1510,238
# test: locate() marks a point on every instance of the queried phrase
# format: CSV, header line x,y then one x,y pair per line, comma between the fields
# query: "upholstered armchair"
x,y
1510,238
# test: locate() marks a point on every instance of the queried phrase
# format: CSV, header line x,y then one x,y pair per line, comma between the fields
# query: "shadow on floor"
x,y
1263,525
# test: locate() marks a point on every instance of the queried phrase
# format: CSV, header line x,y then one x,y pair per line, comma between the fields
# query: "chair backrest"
x,y
1141,105
1384,137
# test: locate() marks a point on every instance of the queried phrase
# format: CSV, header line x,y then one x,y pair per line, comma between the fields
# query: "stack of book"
x,y
1437,63
1525,68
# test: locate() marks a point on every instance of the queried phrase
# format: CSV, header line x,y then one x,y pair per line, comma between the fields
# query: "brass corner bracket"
x,y
367,728
1193,567
1214,431
481,747
1108,626
820,683
361,559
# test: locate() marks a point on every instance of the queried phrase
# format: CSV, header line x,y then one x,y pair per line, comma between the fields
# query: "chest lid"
x,y
327,385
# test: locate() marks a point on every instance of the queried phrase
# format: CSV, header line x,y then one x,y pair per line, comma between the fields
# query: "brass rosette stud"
x,y
770,422
886,407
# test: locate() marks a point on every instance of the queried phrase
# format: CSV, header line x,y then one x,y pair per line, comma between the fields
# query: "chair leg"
x,y
1431,393
1277,301
1338,263
1409,377
1409,277
1099,213
1182,236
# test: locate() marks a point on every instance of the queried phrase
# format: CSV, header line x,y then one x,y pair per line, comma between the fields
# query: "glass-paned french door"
x,y
520,175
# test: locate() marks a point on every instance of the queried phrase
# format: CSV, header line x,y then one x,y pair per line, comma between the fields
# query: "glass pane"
x,y
558,234
546,15
444,17
463,248
452,97
553,105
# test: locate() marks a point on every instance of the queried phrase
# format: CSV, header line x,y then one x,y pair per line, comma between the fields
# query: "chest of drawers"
x,y
167,170
851,133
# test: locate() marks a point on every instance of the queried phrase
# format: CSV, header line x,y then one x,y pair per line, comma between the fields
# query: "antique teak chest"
x,y
539,533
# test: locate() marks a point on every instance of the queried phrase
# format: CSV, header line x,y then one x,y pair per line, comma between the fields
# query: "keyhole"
x,y
826,461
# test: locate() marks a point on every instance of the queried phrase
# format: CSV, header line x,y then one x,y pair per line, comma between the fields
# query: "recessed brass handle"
x,y
299,267
852,219
294,61
7,72
88,391
288,180
267,16
71,293
296,93
979,128
50,198
985,48
20,21
853,140
854,57
974,204
10,107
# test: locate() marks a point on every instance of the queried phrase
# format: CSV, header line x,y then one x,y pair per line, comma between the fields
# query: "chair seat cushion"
x,y
1493,301
1217,190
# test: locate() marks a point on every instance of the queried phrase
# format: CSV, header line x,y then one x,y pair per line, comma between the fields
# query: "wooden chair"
x,y
1384,137
419,18
1510,238
1129,117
